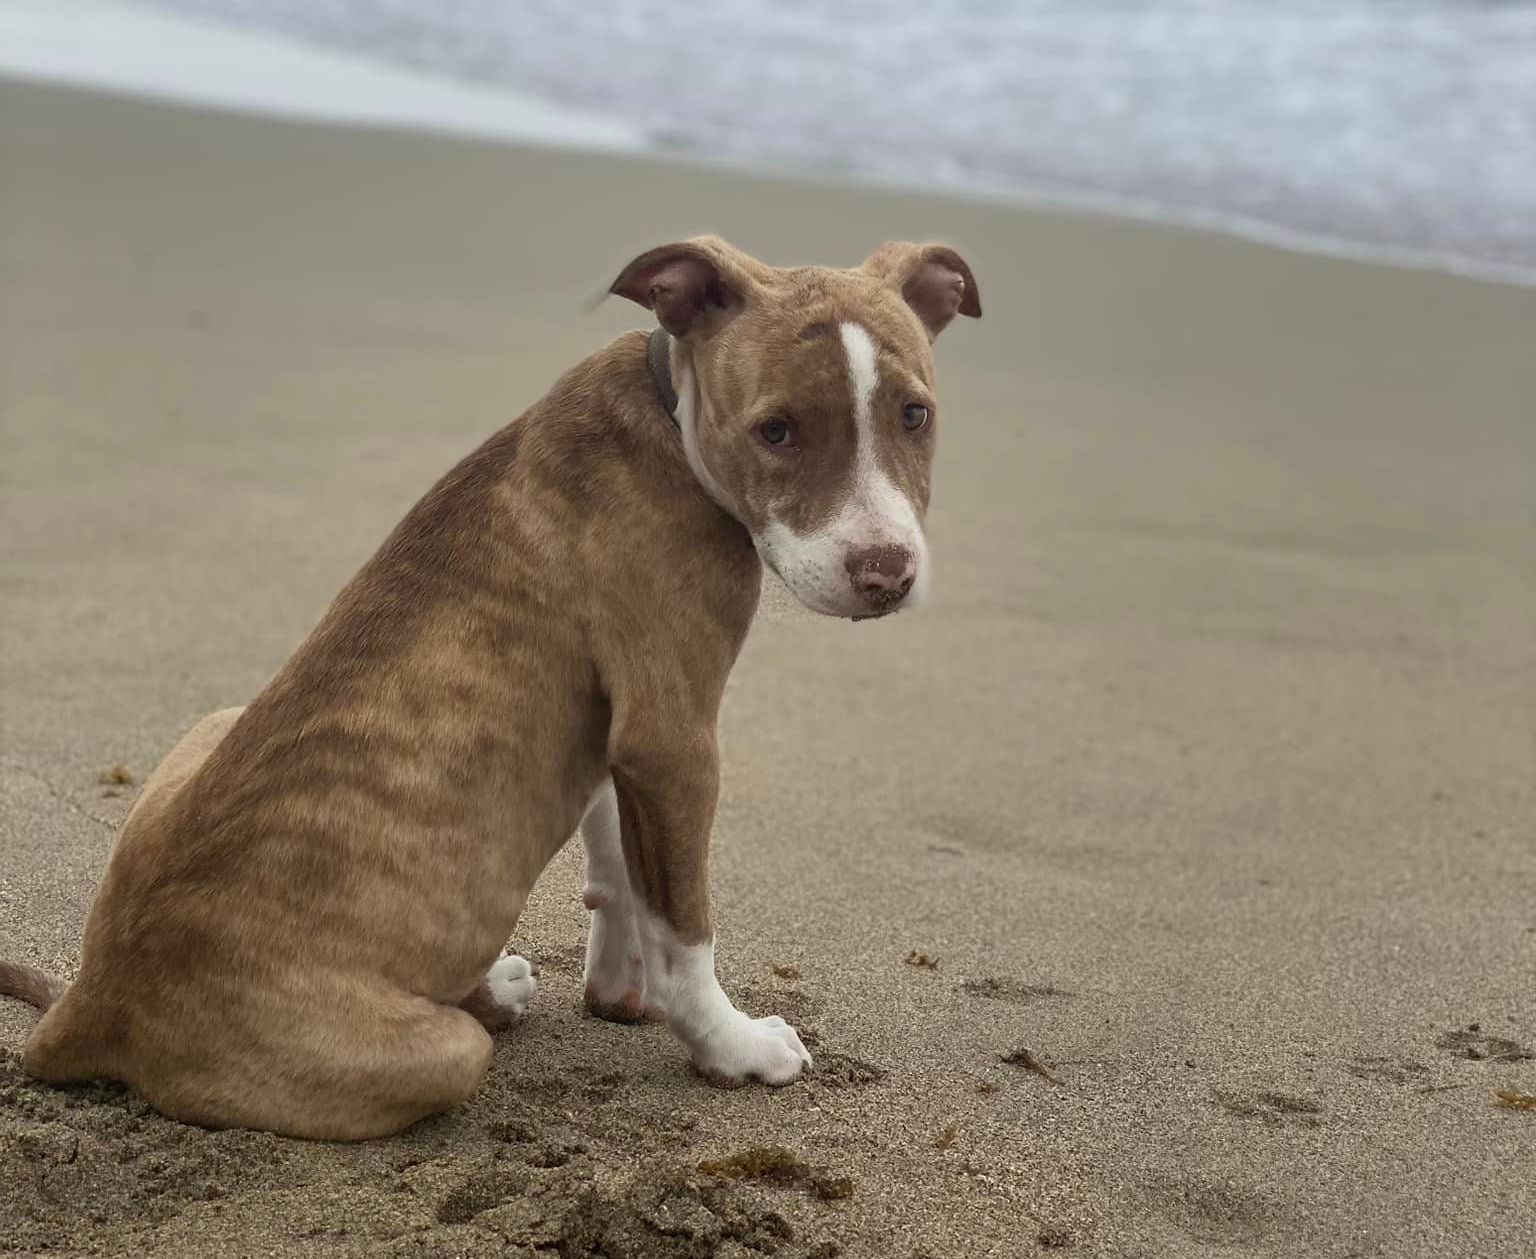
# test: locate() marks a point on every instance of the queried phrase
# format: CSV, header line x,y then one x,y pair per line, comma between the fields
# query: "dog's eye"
x,y
915,418
775,432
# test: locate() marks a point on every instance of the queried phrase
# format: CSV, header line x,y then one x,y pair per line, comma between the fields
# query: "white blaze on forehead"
x,y
864,376
877,505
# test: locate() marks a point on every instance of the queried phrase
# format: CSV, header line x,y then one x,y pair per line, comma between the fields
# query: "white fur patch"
x,y
724,1042
864,376
511,983
615,968
607,877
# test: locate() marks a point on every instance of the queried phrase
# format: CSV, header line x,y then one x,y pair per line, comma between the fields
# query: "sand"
x,y
1206,777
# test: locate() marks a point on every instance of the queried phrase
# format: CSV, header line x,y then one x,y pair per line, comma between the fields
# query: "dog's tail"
x,y
31,985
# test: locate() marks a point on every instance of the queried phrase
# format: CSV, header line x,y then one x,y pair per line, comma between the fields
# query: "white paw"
x,y
511,983
745,1049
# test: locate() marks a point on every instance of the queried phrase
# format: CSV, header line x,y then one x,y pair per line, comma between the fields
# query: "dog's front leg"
x,y
666,779
615,969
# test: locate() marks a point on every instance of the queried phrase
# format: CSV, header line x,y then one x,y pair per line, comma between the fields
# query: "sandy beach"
x,y
1208,775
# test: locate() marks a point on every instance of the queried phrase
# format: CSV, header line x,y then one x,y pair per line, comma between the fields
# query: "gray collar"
x,y
658,354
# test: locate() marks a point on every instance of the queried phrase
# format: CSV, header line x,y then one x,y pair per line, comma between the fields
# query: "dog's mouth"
x,y
877,613
840,605
882,606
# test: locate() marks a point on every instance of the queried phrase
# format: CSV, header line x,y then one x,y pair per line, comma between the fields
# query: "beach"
x,y
1207,775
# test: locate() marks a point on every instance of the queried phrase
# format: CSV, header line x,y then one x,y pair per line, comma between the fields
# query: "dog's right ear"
x,y
695,287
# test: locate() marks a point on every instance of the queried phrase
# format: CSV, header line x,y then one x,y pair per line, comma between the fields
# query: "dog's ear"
x,y
934,280
695,287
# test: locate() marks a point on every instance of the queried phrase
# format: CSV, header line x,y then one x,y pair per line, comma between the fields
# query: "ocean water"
x,y
1398,129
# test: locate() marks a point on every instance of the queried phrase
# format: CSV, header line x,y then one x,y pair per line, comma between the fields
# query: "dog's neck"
x,y
678,391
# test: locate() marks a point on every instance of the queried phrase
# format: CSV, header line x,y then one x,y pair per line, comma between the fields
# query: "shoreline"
x,y
325,87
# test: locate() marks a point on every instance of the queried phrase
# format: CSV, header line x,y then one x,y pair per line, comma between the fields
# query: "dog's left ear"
x,y
934,280
695,287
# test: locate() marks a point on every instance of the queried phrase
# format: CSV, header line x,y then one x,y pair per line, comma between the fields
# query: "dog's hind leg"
x,y
615,970
368,1067
398,1072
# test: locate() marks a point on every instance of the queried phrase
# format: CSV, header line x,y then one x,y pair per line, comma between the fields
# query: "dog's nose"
x,y
882,574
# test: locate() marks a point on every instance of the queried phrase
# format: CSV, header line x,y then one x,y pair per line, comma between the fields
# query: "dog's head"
x,y
806,404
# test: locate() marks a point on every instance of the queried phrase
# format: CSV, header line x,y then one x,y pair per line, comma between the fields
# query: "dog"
x,y
301,921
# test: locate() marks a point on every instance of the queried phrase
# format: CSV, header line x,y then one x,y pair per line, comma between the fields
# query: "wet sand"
x,y
1207,776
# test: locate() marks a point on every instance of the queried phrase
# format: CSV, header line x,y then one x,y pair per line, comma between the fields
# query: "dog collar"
x,y
658,353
